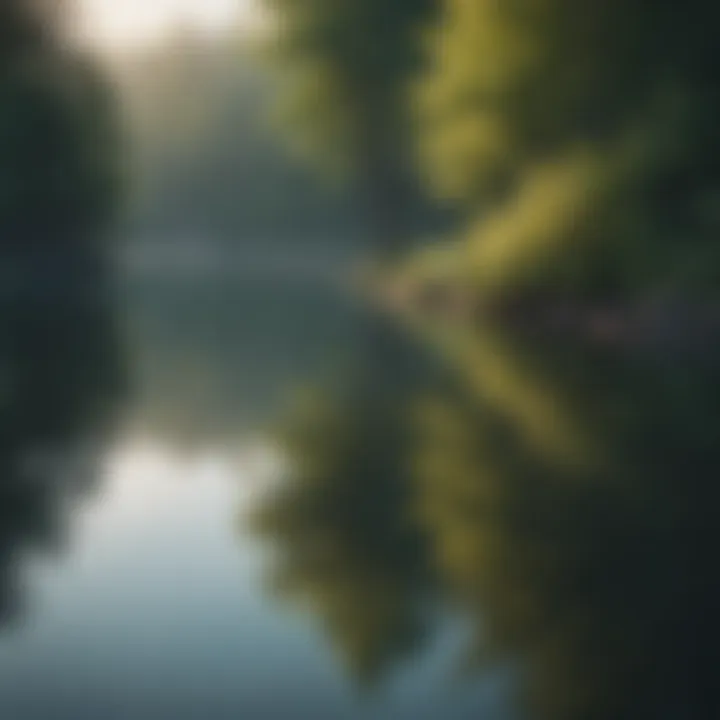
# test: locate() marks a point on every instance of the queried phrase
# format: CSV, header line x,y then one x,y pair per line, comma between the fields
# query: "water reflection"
x,y
555,506
559,499
347,544
62,385
594,570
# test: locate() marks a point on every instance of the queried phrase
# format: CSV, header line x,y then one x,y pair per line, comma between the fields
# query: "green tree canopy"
x,y
348,68
580,135
59,138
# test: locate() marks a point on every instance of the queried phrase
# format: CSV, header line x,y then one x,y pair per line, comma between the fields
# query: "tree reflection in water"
x,y
348,547
563,499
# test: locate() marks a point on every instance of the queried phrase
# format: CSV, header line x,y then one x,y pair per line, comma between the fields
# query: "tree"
x,y
349,65
59,139
60,366
578,137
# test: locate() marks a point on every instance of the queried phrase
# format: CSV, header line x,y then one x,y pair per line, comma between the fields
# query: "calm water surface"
x,y
149,600
243,497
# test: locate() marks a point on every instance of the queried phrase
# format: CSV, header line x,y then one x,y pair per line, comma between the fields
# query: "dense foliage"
x,y
580,139
349,66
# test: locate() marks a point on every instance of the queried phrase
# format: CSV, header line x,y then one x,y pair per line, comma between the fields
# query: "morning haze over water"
x,y
358,360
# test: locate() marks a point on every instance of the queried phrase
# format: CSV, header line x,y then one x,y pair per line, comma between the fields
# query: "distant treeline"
x,y
208,160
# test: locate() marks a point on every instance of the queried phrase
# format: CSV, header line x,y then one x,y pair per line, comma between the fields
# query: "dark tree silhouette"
x,y
61,372
59,142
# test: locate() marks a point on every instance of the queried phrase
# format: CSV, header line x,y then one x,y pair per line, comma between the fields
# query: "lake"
x,y
239,494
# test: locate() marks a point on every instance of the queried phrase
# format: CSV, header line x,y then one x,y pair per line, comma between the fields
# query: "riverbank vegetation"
x,y
572,144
